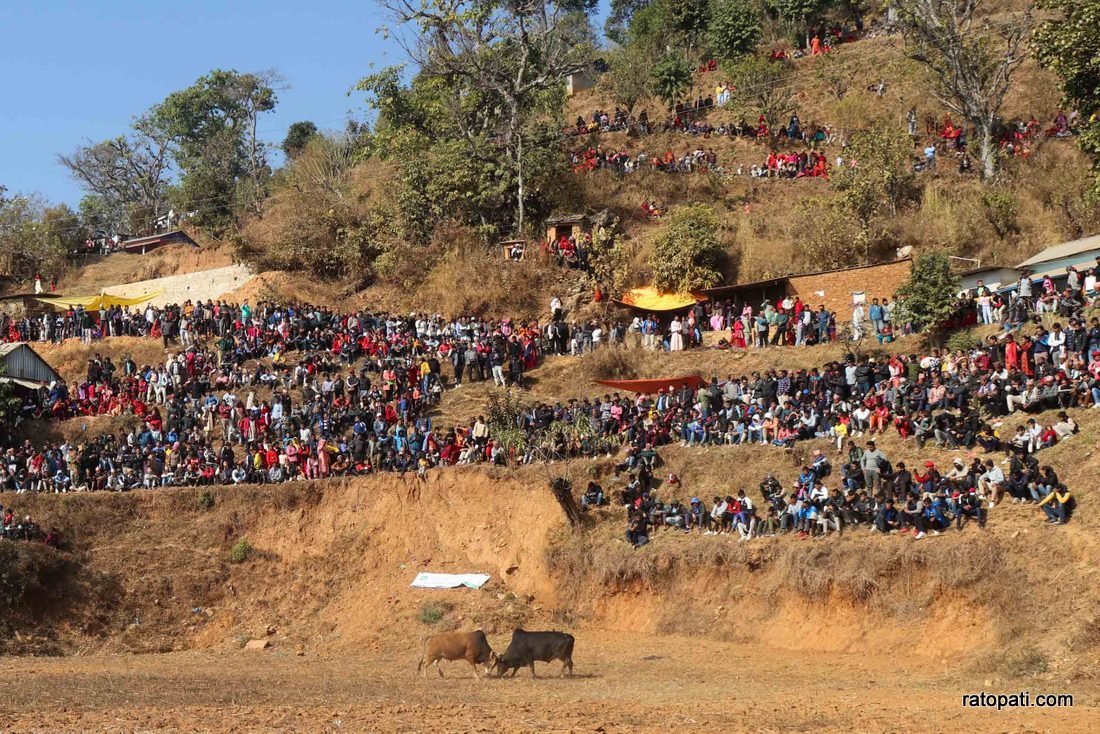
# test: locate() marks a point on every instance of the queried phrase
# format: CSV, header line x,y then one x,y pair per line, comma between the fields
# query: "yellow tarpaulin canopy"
x,y
649,298
98,302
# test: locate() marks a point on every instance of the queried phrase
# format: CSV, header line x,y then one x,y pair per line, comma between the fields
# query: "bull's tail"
x,y
423,657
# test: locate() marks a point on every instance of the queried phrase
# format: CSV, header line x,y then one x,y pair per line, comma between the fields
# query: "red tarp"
x,y
649,387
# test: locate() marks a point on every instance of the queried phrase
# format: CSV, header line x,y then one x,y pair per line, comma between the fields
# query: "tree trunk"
x,y
987,150
519,185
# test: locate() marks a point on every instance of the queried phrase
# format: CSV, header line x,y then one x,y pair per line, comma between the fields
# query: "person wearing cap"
x,y
926,480
697,516
1065,427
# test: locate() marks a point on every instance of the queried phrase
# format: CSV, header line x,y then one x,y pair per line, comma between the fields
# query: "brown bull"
x,y
469,646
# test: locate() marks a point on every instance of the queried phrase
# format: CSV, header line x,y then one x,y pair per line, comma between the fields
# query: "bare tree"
x,y
511,51
971,61
131,174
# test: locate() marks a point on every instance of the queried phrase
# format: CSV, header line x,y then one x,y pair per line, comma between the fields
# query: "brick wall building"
x,y
839,285
834,288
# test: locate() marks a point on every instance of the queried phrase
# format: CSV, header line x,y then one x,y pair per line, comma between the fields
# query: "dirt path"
x,y
650,684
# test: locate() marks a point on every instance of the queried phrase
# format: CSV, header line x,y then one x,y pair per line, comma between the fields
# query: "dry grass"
x,y
96,272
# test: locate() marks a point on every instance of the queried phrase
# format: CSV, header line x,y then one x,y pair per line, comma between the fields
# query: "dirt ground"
x,y
622,684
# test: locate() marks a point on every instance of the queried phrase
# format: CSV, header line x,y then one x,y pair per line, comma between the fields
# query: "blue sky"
x,y
77,71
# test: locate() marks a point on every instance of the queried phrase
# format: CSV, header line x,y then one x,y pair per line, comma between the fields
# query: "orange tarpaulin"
x,y
649,387
650,299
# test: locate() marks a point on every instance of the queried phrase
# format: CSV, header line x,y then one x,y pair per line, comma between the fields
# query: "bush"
x,y
928,298
1000,210
734,28
687,254
431,612
672,78
206,500
611,364
962,341
241,552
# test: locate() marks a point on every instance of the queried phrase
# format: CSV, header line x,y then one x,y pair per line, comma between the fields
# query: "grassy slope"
x,y
761,217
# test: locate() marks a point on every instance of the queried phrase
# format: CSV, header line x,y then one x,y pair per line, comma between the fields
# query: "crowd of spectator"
x,y
206,418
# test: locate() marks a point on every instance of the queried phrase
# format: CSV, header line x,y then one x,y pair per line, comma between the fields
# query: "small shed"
x,y
514,249
21,365
569,225
1054,260
19,305
579,81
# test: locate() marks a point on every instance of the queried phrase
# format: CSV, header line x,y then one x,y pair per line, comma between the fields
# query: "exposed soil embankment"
x,y
332,562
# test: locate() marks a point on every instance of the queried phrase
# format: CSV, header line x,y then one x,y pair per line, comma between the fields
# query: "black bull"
x,y
527,647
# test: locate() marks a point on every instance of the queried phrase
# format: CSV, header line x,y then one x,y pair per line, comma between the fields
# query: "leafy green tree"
x,y
609,257
927,300
764,87
879,181
689,18
649,28
798,15
619,18
672,77
1068,43
27,244
97,214
64,227
510,58
880,178
688,254
299,134
970,64
734,28
213,128
835,240
628,80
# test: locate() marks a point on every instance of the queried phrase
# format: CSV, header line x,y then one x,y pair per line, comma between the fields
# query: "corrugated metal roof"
x,y
1066,249
20,362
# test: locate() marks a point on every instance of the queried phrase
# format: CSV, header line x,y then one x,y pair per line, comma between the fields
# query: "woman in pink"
x,y
323,458
737,334
292,457
312,469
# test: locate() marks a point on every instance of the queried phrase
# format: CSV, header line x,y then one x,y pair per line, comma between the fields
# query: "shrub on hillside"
x,y
431,612
927,299
26,570
962,341
672,78
609,258
319,220
1000,210
611,364
206,500
241,551
687,255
